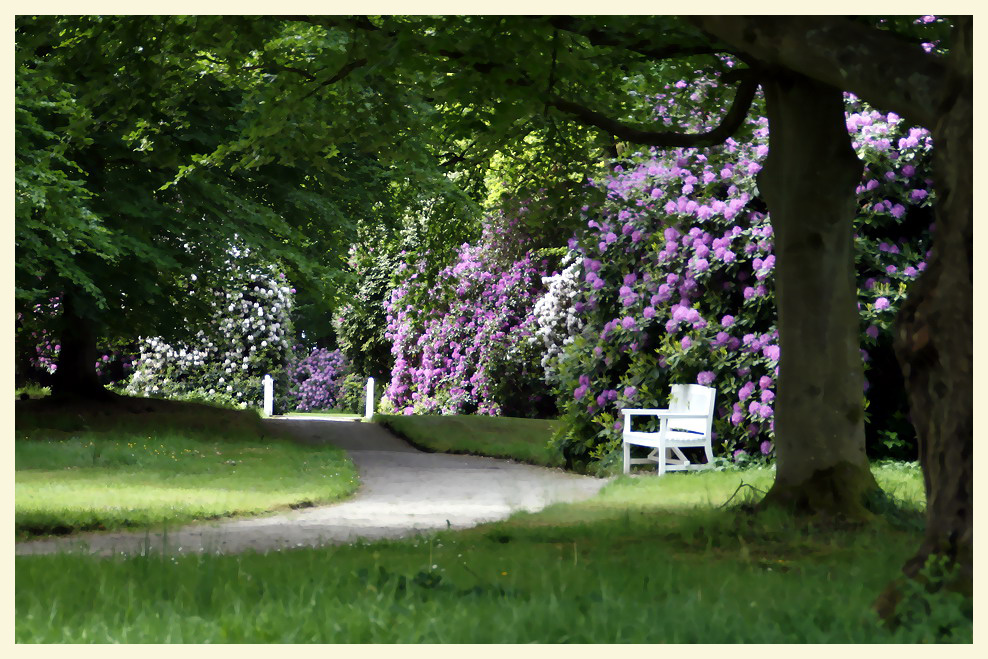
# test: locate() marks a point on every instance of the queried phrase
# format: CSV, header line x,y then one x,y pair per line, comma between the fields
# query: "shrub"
x,y
353,394
674,283
463,344
316,380
893,230
250,336
361,325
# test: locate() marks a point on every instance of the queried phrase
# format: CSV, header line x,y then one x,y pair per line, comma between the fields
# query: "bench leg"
x,y
627,458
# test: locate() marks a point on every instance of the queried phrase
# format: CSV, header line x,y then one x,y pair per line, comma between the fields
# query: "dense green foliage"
x,y
137,101
113,115
145,119
360,323
353,394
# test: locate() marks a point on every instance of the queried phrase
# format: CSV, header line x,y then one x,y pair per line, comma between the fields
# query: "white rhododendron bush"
x,y
251,335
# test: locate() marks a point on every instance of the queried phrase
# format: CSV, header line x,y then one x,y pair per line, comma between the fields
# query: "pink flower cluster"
x,y
464,344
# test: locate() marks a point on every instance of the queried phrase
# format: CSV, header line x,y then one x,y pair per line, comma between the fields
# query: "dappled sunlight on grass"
x,y
903,481
124,475
685,489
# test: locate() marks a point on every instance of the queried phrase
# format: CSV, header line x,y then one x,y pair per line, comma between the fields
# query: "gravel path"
x,y
403,492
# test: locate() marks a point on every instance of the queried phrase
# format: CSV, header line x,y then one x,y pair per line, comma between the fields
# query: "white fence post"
x,y
268,395
369,408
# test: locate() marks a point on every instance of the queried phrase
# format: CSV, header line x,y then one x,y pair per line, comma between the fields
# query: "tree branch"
x,y
552,70
602,37
480,67
732,121
880,68
270,68
516,132
261,67
344,71
451,159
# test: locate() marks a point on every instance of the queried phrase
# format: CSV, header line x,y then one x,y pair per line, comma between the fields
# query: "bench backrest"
x,y
692,398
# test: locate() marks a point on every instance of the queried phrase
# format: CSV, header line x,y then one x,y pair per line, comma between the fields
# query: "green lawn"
x,y
524,440
120,470
648,560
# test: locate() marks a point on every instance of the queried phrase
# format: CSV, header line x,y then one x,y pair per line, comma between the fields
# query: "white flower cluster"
x,y
558,320
251,335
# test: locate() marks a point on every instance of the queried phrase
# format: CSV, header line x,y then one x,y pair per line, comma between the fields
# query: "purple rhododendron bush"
x,y
465,344
671,282
315,380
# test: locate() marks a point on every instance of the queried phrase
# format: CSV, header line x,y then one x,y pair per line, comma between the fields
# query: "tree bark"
x,y
934,333
808,182
75,376
877,66
934,338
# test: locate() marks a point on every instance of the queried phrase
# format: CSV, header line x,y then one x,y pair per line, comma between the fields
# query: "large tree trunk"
x,y
809,181
934,335
934,338
75,376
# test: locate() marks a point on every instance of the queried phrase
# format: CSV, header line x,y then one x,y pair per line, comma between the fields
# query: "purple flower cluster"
x,y
678,285
316,379
466,343
896,193
113,365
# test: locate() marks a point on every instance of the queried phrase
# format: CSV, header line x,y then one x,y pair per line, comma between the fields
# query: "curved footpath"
x,y
403,491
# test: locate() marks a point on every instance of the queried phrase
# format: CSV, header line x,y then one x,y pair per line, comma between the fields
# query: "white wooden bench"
x,y
688,422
